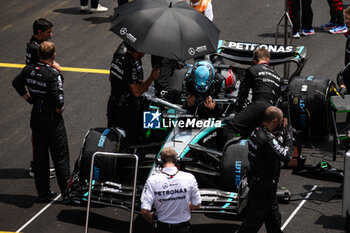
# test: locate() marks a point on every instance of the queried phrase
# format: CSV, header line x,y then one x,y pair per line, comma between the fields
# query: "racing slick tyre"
x,y
103,140
235,164
309,104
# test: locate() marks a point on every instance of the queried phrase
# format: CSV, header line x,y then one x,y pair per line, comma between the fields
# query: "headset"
x,y
160,162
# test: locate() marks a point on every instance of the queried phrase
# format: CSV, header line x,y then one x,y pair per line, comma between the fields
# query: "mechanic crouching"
x,y
265,155
173,193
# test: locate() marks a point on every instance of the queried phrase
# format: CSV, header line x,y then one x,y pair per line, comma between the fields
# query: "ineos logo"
x,y
123,31
191,51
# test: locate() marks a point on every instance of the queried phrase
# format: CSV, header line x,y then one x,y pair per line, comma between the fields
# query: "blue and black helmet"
x,y
202,75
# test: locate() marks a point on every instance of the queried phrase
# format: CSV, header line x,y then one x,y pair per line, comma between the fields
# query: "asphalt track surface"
x,y
84,41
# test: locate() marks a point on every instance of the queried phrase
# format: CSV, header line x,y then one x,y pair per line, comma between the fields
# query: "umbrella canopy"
x,y
166,28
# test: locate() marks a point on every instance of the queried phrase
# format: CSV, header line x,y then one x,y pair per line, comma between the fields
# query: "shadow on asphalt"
x,y
108,224
92,20
99,20
215,227
71,11
96,221
14,173
281,35
323,194
21,201
334,222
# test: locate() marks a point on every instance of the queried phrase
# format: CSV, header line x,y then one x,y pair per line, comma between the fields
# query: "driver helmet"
x,y
202,75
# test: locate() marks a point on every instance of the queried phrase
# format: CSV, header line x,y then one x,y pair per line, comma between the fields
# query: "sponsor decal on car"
x,y
253,46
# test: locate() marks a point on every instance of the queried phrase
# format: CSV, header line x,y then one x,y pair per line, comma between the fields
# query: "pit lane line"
x,y
71,69
299,207
37,215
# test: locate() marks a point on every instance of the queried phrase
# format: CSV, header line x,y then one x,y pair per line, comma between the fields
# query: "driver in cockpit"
x,y
202,85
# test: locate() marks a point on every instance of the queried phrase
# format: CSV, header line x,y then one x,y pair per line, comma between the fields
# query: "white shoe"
x,y
296,35
84,8
99,9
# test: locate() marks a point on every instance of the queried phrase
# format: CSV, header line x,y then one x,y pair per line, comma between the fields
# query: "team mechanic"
x,y
343,80
42,31
44,84
265,154
265,84
173,193
126,105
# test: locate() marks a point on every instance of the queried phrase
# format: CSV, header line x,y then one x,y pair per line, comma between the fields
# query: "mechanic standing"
x,y
265,155
306,17
173,193
265,84
336,24
44,84
125,104
343,80
42,31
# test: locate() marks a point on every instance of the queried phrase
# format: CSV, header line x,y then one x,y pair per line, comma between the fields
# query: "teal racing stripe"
x,y
228,204
153,107
300,50
87,193
219,45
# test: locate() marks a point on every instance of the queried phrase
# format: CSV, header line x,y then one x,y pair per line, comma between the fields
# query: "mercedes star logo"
x,y
191,51
123,31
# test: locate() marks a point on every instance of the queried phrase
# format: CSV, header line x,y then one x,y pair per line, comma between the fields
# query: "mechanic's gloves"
x,y
342,92
288,135
30,100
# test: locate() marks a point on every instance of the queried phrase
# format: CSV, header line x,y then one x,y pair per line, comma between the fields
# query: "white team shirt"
x,y
171,196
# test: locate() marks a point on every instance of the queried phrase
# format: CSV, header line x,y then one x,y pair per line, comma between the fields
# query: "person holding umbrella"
x,y
168,66
125,104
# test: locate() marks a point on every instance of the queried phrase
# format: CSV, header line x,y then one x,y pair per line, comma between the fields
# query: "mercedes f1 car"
x,y
221,176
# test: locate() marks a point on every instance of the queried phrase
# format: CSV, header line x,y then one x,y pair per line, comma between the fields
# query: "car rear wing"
x,y
242,53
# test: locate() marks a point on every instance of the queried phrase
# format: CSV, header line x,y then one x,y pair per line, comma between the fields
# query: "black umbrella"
x,y
166,28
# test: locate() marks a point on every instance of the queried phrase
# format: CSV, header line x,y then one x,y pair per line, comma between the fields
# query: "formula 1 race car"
x,y
221,174
222,179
